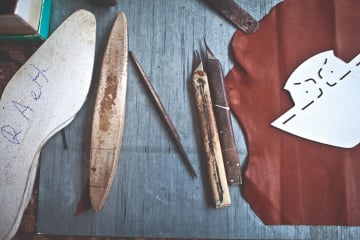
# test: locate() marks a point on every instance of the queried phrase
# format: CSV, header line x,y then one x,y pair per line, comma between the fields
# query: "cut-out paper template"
x,y
325,91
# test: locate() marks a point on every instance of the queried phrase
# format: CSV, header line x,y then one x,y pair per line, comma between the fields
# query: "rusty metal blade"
x,y
223,118
109,114
237,15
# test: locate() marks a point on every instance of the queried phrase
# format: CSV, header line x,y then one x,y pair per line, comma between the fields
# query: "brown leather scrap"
x,y
290,180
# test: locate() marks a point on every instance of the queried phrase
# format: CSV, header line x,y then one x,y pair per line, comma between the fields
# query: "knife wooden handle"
x,y
223,120
212,149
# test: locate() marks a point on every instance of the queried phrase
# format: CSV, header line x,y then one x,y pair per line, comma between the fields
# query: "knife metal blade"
x,y
223,118
109,114
236,14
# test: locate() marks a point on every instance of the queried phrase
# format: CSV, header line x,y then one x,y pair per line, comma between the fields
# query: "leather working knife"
x,y
109,114
210,137
237,15
223,118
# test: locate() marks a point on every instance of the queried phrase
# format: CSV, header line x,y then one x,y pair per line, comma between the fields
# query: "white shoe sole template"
x,y
40,99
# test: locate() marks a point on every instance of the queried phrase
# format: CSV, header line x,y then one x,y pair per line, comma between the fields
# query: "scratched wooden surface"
x,y
152,194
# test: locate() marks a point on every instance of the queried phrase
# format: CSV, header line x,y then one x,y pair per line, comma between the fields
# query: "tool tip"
x,y
197,64
209,53
132,55
193,173
138,66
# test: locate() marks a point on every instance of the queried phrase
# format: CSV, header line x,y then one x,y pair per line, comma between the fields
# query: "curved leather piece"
x,y
290,180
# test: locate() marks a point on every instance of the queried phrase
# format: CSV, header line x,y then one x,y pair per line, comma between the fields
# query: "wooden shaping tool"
x,y
212,149
109,114
223,118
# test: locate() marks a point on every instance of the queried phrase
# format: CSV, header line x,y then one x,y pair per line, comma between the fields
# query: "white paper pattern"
x,y
326,94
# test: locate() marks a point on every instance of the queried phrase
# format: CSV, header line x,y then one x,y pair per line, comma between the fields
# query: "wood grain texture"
x,y
152,193
109,114
210,138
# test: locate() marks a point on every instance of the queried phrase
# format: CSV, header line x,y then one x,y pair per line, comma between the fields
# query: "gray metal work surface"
x,y
153,195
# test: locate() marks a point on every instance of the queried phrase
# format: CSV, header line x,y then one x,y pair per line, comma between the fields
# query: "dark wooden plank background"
x,y
152,194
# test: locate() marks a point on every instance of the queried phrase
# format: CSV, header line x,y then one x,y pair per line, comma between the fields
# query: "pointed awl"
x,y
169,124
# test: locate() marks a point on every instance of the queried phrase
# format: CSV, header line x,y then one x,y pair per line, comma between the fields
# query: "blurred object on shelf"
x,y
25,19
105,2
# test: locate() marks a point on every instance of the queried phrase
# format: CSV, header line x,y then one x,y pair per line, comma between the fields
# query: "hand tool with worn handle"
x,y
223,118
41,98
210,137
109,114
